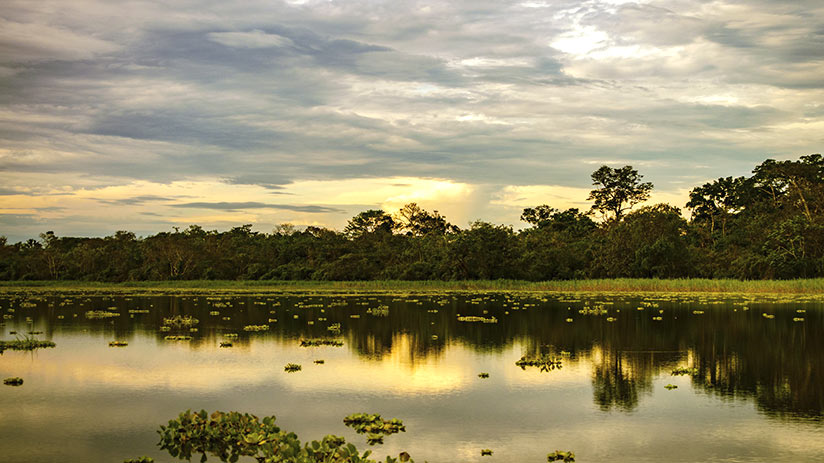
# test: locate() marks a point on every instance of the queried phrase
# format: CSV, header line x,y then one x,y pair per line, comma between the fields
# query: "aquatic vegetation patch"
x,y
680,371
232,435
118,344
98,314
594,310
256,328
320,342
143,459
544,362
179,321
473,319
15,381
380,311
319,362
558,455
670,387
483,375
225,344
486,452
292,367
373,426
178,338
26,343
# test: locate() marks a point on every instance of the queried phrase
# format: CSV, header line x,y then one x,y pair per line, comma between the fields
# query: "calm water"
x,y
758,393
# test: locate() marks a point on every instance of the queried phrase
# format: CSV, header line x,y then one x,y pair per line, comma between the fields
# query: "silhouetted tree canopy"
x,y
767,225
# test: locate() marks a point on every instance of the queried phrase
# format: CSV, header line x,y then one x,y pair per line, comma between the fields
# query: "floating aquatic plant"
x,y
373,426
139,460
179,321
566,457
334,328
256,328
232,435
319,362
471,319
544,362
13,381
483,375
485,452
118,344
380,311
178,338
92,314
671,387
225,344
26,343
680,371
320,342
292,367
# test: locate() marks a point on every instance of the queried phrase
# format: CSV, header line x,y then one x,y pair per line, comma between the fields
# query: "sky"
x,y
144,115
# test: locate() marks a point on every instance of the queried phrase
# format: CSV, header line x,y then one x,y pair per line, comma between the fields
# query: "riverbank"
x,y
621,285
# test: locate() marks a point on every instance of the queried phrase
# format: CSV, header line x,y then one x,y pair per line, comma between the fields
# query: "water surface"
x,y
756,393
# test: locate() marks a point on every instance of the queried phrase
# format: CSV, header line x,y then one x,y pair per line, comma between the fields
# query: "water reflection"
x,y
420,348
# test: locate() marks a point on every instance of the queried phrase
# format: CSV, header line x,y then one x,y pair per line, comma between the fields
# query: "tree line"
x,y
768,225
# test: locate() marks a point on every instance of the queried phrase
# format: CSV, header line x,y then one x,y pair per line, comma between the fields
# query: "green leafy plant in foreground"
x,y
231,435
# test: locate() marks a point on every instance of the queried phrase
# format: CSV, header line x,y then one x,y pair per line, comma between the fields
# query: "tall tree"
x,y
367,222
617,191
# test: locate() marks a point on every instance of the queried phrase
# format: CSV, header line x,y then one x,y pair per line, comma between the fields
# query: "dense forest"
x,y
767,225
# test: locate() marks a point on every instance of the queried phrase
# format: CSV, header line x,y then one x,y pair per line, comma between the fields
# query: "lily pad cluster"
x,y
373,426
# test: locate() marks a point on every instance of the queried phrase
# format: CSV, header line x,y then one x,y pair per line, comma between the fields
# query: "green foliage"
x,y
558,455
26,343
231,435
373,426
617,190
544,362
15,381
769,225
139,460
292,367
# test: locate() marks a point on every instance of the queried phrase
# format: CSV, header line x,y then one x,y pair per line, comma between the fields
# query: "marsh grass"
x,y
697,285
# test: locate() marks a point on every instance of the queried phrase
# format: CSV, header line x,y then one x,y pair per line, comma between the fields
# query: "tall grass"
x,y
805,286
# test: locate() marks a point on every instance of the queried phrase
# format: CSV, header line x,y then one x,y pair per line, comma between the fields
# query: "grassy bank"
x,y
808,286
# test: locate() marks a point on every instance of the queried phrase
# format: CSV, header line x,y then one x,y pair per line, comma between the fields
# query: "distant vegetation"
x,y
769,225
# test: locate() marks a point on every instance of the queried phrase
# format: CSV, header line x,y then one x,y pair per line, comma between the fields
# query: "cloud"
x,y
228,206
261,99
252,39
